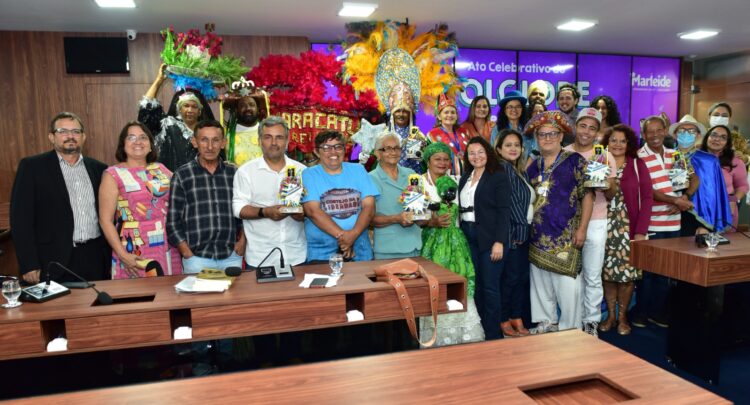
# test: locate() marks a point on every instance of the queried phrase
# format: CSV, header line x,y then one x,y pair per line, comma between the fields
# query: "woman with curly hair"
x,y
610,114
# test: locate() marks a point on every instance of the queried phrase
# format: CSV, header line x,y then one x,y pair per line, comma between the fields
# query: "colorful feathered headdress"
x,y
388,56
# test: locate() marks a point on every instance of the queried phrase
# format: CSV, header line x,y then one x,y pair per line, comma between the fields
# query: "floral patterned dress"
x,y
617,266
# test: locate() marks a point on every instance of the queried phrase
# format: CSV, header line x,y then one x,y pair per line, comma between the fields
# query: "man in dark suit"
x,y
54,208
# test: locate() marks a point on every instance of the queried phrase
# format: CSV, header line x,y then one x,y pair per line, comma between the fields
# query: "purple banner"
x,y
655,86
605,75
640,86
555,68
488,73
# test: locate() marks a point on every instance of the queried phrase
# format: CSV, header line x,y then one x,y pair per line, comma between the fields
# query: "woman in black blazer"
x,y
484,198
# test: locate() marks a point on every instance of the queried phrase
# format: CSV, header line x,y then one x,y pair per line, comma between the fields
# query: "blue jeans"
x,y
195,264
652,292
515,282
488,275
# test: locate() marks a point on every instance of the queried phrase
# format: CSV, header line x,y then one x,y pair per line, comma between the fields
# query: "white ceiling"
x,y
647,27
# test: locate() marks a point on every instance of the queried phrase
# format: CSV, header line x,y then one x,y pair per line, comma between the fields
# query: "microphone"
x,y
101,297
233,271
279,272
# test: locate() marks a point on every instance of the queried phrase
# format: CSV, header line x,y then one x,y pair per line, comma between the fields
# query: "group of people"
x,y
510,208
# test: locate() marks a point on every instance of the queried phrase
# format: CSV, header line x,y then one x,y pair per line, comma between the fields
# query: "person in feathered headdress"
x,y
247,106
406,70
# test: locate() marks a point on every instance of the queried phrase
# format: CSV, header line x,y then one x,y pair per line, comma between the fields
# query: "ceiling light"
x,y
698,34
357,9
115,3
576,25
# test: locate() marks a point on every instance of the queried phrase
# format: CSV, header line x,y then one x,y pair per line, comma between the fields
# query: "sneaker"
x,y
543,327
638,321
591,328
658,321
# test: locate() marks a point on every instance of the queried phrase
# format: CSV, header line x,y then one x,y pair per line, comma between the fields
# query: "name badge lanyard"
x,y
543,188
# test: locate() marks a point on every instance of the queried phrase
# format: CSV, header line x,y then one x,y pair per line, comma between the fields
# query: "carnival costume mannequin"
x,y
411,70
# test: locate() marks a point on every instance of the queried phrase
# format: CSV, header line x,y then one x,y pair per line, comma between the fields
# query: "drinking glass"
x,y
712,240
11,292
336,263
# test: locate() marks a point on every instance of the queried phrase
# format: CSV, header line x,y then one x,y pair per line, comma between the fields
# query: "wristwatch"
x,y
260,213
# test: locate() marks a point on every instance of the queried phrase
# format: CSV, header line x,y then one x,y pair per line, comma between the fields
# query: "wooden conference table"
x,y
564,367
696,332
147,310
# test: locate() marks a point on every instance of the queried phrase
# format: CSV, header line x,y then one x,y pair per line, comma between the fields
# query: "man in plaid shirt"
x,y
200,222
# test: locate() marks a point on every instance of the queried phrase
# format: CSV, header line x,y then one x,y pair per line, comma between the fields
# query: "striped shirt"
x,y
658,168
200,210
82,200
520,198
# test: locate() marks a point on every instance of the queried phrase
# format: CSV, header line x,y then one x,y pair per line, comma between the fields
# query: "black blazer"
x,y
491,208
41,217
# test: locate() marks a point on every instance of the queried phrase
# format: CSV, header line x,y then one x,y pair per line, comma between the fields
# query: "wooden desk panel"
x,y
89,327
384,304
488,372
681,259
268,317
24,337
118,330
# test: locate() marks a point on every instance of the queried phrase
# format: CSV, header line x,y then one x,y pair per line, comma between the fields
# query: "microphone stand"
x,y
101,297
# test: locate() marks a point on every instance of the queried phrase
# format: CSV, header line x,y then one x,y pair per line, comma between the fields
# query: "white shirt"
x,y
258,185
467,199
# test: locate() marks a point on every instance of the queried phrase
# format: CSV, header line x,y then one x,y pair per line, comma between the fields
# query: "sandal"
x,y
508,330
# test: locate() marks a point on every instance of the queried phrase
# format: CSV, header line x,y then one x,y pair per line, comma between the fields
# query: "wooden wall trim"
x,y
36,87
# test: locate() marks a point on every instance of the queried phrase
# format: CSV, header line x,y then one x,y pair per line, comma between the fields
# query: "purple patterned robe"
x,y
557,216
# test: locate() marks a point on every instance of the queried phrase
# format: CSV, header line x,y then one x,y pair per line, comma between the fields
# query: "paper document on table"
x,y
193,284
309,277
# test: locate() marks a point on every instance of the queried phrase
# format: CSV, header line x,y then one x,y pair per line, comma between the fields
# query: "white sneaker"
x,y
543,327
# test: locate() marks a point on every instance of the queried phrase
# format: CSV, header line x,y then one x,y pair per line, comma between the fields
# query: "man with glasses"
x,y
339,204
201,221
562,210
587,127
54,208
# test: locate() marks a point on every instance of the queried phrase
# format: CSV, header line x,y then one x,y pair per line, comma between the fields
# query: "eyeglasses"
x,y
691,131
134,138
66,131
330,148
548,135
716,135
513,107
390,149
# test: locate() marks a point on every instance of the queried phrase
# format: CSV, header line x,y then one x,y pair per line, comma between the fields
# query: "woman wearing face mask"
x,y
478,123
448,132
719,114
708,194
735,173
